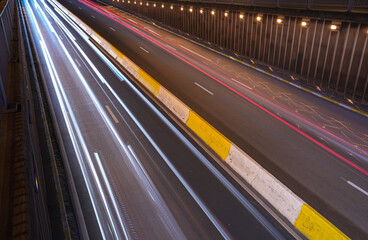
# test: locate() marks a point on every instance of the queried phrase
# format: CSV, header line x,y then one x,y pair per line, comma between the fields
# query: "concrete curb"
x,y
300,214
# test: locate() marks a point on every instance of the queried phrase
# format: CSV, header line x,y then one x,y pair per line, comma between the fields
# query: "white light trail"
x,y
214,171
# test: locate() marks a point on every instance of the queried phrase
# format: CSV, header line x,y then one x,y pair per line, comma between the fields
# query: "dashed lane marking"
x,y
144,49
76,60
205,89
358,188
194,53
112,114
242,84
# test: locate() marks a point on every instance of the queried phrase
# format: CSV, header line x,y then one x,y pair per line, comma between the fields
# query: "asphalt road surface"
x,y
137,175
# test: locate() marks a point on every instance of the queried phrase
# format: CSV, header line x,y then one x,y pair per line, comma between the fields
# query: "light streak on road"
x,y
166,216
123,78
54,78
67,110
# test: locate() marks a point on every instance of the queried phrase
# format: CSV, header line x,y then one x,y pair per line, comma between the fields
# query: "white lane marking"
x,y
358,188
93,16
132,20
144,49
112,29
112,114
172,48
153,32
242,84
195,53
76,60
203,88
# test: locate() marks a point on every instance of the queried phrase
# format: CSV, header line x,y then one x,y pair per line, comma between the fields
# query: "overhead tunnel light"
x,y
280,20
181,8
162,6
226,14
241,15
191,9
154,5
171,7
335,26
141,3
201,11
213,12
147,4
259,18
305,23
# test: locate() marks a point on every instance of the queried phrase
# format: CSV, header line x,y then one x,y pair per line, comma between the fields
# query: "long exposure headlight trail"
x,y
244,202
213,219
59,89
54,76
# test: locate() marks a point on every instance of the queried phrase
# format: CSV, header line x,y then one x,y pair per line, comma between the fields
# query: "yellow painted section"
x,y
315,227
285,81
151,84
360,112
213,138
305,89
253,67
117,52
330,100
269,74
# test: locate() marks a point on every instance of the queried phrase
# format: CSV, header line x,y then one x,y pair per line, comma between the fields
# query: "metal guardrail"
x,y
324,5
6,22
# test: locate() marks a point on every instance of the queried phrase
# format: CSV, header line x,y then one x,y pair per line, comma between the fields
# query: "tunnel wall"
x,y
332,60
328,5
6,22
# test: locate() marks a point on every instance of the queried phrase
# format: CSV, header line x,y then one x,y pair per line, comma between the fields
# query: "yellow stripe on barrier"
x,y
117,52
151,84
269,74
360,112
213,138
330,100
305,89
315,227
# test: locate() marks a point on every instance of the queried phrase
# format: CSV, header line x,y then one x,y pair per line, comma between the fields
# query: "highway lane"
x,y
318,176
136,175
